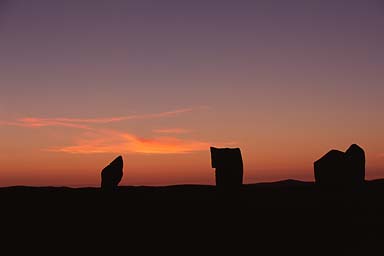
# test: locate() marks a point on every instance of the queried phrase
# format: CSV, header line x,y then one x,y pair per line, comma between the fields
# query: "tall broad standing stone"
x,y
355,157
229,167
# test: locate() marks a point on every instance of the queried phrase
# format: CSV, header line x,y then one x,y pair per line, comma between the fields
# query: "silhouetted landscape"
x,y
284,216
211,98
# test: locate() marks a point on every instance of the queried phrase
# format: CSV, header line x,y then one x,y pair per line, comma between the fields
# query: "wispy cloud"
x,y
172,131
117,119
96,139
106,141
83,123
41,122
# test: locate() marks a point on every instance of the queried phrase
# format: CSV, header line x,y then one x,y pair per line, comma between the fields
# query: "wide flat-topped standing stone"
x,y
112,175
229,167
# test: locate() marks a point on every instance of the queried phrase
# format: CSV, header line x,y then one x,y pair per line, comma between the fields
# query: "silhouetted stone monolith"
x,y
337,168
112,175
355,157
330,169
229,167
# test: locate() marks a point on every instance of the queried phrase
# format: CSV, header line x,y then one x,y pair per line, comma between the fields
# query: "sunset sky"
x,y
159,82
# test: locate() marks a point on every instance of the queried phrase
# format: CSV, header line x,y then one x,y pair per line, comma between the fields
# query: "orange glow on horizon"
x,y
77,148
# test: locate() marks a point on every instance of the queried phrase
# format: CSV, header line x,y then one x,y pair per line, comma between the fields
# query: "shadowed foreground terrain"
x,y
282,217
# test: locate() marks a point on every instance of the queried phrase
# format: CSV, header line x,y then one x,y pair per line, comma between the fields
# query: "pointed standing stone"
x,y
112,175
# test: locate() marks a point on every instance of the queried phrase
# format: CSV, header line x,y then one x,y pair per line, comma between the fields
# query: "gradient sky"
x,y
160,81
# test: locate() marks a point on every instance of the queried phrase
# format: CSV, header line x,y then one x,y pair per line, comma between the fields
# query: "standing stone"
x,y
112,175
229,167
330,169
355,157
337,168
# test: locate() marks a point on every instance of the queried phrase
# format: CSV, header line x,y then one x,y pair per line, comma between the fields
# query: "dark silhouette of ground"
x,y
266,218
229,167
339,169
112,175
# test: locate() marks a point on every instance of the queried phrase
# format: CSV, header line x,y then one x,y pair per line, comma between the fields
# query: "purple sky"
x,y
272,77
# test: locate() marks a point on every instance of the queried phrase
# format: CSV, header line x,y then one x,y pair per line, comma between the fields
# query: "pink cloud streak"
x,y
119,142
172,131
80,123
99,140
